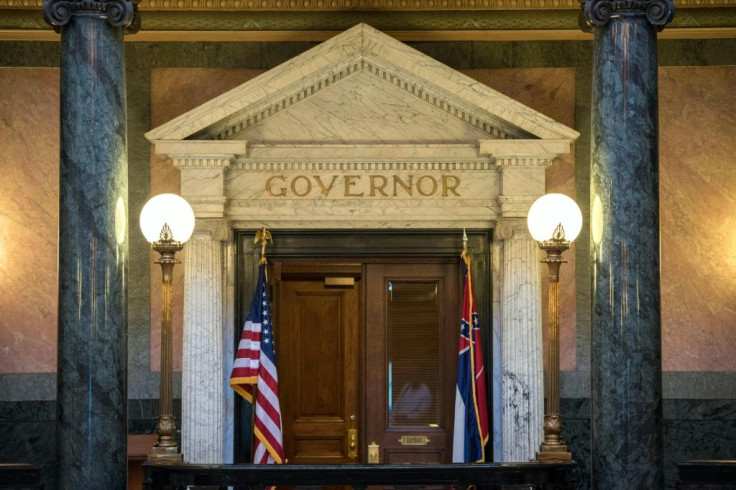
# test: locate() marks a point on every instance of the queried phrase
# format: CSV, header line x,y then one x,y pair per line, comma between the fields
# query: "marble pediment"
x,y
362,131
362,95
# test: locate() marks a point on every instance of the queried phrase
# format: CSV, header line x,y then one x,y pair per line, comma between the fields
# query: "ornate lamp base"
x,y
554,453
553,448
159,454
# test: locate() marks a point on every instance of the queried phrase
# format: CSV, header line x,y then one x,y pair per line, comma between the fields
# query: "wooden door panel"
x,y
320,352
412,456
422,432
318,368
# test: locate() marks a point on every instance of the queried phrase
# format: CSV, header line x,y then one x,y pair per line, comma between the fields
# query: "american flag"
x,y
471,409
255,364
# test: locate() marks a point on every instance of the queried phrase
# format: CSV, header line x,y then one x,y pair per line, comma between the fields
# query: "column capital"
x,y
597,13
119,13
218,229
507,228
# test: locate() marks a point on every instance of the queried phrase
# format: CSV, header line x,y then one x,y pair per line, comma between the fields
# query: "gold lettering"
x,y
350,182
426,185
407,187
269,189
308,187
424,178
447,187
378,188
325,189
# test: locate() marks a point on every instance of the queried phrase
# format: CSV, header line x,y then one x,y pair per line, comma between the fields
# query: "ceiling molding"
x,y
405,36
363,5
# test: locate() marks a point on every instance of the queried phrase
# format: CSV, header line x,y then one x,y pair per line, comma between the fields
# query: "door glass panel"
x,y
413,333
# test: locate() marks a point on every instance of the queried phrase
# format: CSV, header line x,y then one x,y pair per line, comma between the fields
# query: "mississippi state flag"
x,y
471,409
254,372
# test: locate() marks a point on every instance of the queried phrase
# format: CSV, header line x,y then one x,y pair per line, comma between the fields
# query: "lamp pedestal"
x,y
165,448
553,448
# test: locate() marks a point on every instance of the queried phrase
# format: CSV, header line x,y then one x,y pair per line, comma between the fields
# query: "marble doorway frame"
x,y
362,108
356,245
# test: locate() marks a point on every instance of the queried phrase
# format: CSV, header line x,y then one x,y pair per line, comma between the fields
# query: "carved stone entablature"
x,y
524,162
597,13
119,13
362,131
481,165
202,161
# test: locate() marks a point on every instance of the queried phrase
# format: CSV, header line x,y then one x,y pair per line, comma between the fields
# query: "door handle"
x,y
353,444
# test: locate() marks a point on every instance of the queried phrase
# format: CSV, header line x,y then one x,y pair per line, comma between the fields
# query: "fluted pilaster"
x,y
203,396
523,374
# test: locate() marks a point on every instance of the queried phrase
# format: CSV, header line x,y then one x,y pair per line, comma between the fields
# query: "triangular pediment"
x,y
363,87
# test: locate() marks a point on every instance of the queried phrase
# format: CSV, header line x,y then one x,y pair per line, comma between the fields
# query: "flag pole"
x,y
263,236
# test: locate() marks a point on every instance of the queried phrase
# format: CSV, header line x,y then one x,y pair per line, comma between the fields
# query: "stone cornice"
x,y
372,166
202,161
363,5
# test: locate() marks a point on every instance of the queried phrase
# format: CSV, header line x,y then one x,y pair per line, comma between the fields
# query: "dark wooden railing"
x,y
517,476
706,475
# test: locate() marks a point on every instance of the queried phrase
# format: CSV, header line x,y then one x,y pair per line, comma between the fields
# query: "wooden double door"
x,y
367,354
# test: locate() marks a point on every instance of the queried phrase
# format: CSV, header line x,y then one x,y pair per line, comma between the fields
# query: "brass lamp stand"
x,y
165,448
554,448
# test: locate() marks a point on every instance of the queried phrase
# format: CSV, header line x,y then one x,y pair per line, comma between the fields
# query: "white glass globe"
x,y
551,210
167,209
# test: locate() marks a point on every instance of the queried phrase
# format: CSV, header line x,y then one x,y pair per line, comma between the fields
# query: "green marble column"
x,y
626,390
91,428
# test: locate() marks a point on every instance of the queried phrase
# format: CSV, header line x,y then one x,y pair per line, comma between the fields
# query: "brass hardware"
x,y
373,457
553,448
353,443
352,417
414,440
263,236
339,281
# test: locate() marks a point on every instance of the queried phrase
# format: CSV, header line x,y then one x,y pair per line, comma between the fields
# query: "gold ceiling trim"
x,y
363,5
405,36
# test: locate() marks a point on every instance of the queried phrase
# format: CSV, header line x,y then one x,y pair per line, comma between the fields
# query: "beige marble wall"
x,y
698,210
698,217
29,210
550,91
175,91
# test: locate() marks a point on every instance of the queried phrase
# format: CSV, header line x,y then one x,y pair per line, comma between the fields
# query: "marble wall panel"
x,y
550,91
28,435
698,217
693,429
29,208
175,91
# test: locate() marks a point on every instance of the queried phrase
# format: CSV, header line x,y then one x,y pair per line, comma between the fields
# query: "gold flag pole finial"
x,y
465,242
263,236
